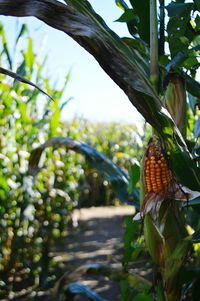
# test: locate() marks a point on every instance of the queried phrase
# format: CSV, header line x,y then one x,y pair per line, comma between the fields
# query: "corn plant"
x,y
27,214
158,84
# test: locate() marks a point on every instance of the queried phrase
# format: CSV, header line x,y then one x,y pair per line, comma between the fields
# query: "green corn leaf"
x,y
21,79
154,240
101,163
141,9
134,175
131,19
55,118
23,111
65,103
131,231
40,68
175,261
127,16
29,55
5,46
172,225
23,30
21,70
178,162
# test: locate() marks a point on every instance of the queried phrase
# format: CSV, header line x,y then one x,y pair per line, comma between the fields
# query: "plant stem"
x,y
154,71
162,28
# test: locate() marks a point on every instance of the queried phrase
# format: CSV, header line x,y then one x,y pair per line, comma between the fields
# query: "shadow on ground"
x,y
97,240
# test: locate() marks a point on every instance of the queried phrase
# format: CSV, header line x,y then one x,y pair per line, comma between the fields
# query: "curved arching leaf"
x,y
110,171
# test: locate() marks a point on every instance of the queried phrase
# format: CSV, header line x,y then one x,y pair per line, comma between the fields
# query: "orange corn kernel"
x,y
157,174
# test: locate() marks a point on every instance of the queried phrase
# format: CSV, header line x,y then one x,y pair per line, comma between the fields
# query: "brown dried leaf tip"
x,y
157,173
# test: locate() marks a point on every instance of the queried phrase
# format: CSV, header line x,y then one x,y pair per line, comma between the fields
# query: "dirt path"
x,y
98,239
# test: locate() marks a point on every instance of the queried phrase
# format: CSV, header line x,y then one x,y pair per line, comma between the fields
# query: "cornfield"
x,y
161,82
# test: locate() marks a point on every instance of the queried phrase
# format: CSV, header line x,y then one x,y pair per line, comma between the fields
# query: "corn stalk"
x,y
164,222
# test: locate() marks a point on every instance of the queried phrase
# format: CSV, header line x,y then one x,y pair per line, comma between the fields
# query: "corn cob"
x,y
157,173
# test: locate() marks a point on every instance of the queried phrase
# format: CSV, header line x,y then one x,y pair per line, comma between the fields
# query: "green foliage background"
x,y
35,212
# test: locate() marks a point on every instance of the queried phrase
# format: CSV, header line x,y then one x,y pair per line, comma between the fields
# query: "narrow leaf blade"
x,y
22,79
109,170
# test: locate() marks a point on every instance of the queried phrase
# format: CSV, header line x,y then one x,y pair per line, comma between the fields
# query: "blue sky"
x,y
95,95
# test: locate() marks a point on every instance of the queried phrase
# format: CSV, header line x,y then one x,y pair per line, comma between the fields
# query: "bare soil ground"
x,y
97,240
